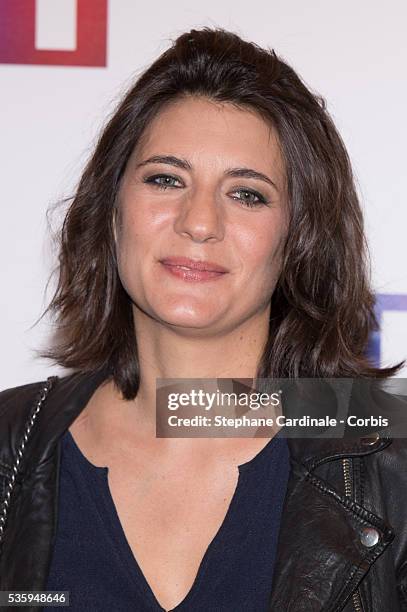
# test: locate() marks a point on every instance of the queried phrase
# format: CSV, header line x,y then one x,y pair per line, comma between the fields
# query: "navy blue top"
x,y
93,560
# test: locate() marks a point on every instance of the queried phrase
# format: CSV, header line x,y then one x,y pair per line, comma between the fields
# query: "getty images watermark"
x,y
300,407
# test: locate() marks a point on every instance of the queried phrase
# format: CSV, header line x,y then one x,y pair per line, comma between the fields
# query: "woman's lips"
x,y
189,274
193,264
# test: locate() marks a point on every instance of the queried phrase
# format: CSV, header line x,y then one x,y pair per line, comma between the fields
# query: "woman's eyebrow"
x,y
185,165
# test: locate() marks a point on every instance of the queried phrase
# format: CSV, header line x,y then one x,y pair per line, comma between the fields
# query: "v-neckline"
x,y
99,476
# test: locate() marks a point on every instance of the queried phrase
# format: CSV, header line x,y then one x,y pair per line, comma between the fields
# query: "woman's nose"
x,y
200,217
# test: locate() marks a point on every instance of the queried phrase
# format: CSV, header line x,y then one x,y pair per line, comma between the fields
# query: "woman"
x,y
215,232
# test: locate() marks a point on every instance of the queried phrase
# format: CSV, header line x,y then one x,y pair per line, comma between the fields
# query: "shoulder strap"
x,y
27,429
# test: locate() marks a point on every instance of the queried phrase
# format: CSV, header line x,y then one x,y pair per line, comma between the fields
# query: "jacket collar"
x,y
71,393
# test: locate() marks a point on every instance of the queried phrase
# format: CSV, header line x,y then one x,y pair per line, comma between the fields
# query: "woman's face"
x,y
214,208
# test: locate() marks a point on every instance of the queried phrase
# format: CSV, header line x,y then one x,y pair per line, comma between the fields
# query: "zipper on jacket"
x,y
347,464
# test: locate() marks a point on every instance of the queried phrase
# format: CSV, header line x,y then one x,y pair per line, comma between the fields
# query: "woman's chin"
x,y
195,321
190,319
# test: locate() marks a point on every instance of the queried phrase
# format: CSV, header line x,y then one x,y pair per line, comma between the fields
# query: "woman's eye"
x,y
162,181
251,198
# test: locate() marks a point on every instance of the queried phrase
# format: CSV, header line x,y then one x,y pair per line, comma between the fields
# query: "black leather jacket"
x,y
343,538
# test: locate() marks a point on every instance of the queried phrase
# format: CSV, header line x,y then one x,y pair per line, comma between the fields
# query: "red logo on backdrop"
x,y
21,21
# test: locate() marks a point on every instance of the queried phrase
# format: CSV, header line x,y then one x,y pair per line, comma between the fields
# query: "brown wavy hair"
x,y
322,309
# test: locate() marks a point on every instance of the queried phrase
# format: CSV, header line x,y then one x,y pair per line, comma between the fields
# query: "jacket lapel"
x,y
31,522
320,557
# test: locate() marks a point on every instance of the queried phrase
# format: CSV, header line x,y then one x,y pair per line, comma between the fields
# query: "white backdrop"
x,y
353,53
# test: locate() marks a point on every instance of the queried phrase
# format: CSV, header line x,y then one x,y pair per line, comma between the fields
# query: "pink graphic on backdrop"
x,y
17,35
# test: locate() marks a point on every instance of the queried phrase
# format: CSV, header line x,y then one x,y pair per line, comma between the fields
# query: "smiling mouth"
x,y
191,274
185,263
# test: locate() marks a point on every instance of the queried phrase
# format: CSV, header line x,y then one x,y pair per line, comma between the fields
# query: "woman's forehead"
x,y
218,132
